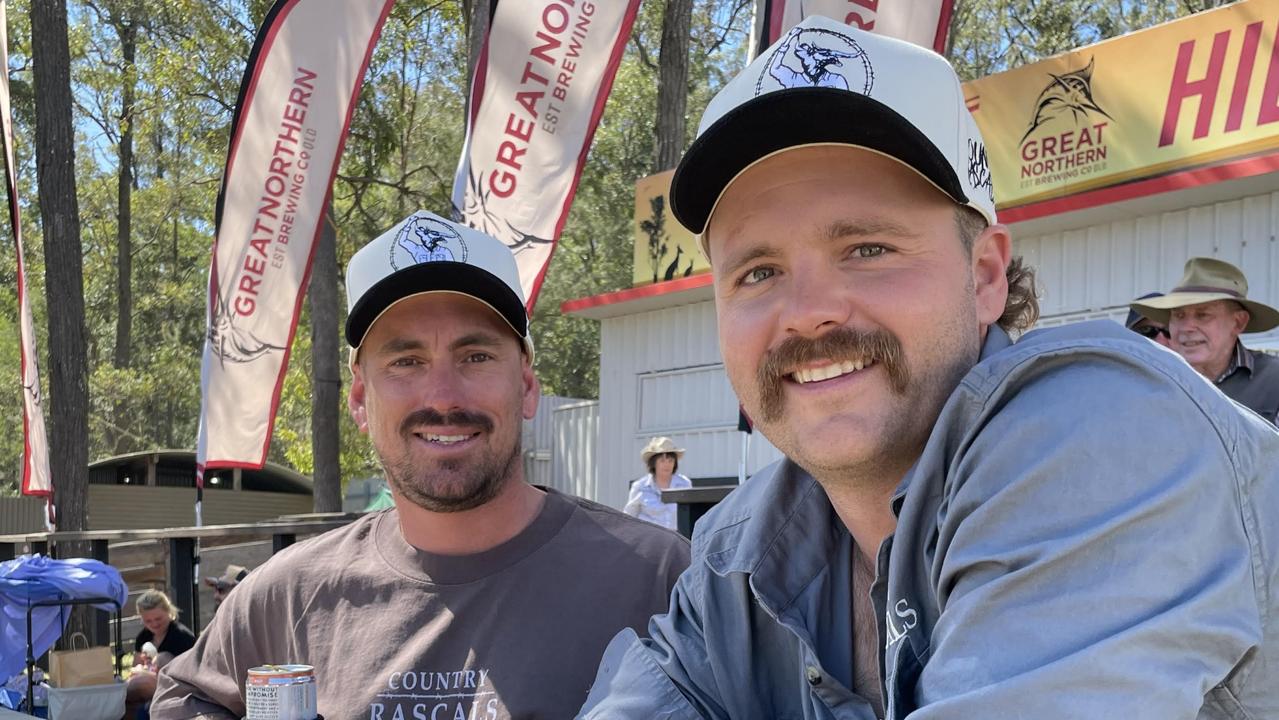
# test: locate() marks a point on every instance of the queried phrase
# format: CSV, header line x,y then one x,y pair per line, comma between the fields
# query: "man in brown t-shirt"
x,y
479,596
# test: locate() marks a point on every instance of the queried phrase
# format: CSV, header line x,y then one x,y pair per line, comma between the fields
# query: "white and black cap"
x,y
428,254
825,83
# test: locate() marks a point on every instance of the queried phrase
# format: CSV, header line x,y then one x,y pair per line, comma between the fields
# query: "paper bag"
x,y
78,668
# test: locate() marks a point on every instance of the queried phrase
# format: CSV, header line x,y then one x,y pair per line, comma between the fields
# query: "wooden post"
x,y
279,541
100,629
182,580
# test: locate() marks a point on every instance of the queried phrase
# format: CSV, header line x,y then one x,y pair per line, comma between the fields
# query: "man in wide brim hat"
x,y
1205,314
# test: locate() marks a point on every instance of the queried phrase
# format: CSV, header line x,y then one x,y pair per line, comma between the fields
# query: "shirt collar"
x,y
780,529
996,340
1241,359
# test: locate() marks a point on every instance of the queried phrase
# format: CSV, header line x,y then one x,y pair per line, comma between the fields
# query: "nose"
x,y
442,388
818,300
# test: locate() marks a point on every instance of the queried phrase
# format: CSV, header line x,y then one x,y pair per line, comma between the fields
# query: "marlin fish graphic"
x,y
477,214
1067,93
231,343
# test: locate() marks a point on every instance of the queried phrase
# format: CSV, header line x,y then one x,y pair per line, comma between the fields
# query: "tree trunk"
x,y
124,194
64,274
64,280
477,13
127,31
326,378
672,84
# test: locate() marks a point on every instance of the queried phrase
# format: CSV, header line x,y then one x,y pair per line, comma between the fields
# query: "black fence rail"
x,y
182,554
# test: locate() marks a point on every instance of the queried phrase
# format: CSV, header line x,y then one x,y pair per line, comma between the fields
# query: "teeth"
x,y
447,439
826,372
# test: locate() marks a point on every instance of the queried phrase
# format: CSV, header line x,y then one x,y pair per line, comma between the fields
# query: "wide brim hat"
x,y
427,254
826,83
1207,280
659,446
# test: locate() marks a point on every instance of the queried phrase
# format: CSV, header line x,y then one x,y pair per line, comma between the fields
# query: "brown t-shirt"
x,y
398,634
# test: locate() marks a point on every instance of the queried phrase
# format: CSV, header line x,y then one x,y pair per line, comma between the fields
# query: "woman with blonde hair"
x,y
161,639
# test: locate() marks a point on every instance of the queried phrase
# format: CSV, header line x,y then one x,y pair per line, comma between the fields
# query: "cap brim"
x,y
443,276
793,118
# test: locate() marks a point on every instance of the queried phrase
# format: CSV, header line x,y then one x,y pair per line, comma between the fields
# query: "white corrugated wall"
x,y
661,373
537,439
1095,271
574,443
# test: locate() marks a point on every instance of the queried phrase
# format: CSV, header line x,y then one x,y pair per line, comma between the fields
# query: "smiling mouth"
x,y
803,376
438,439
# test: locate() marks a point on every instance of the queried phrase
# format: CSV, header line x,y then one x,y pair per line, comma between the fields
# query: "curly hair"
x,y
1021,310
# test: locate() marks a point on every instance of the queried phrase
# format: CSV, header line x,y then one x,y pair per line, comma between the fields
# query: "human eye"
x,y
478,356
404,361
757,275
869,250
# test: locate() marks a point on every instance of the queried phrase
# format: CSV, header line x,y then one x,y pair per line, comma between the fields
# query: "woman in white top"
x,y
645,502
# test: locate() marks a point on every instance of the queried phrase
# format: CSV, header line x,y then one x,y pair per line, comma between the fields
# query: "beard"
x,y
453,485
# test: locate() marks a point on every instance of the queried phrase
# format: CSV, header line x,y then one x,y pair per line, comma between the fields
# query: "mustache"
x,y
430,416
841,344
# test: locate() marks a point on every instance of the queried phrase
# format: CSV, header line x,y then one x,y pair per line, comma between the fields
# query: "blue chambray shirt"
x,y
1090,532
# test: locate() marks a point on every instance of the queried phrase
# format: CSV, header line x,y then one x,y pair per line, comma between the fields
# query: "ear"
x,y
532,389
991,253
355,399
1242,317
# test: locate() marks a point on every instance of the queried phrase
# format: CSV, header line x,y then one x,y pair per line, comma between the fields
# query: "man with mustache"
x,y
1205,315
478,595
1070,526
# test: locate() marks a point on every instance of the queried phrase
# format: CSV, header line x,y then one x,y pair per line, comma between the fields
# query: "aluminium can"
x,y
280,692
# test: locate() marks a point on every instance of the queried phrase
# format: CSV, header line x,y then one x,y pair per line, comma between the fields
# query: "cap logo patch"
x,y
979,168
423,240
817,57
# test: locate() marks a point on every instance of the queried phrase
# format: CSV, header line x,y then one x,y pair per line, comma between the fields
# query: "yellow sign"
x,y
1184,94
664,249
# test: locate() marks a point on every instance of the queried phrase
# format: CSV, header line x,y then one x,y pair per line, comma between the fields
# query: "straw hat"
x,y
658,446
1206,280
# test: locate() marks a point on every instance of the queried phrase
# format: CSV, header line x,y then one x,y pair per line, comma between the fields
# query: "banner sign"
x,y
923,22
35,450
1193,92
538,95
664,249
296,100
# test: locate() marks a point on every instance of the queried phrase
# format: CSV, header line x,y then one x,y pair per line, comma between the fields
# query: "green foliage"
x,y
989,36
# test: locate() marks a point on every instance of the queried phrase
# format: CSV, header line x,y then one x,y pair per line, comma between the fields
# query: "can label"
x,y
280,692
